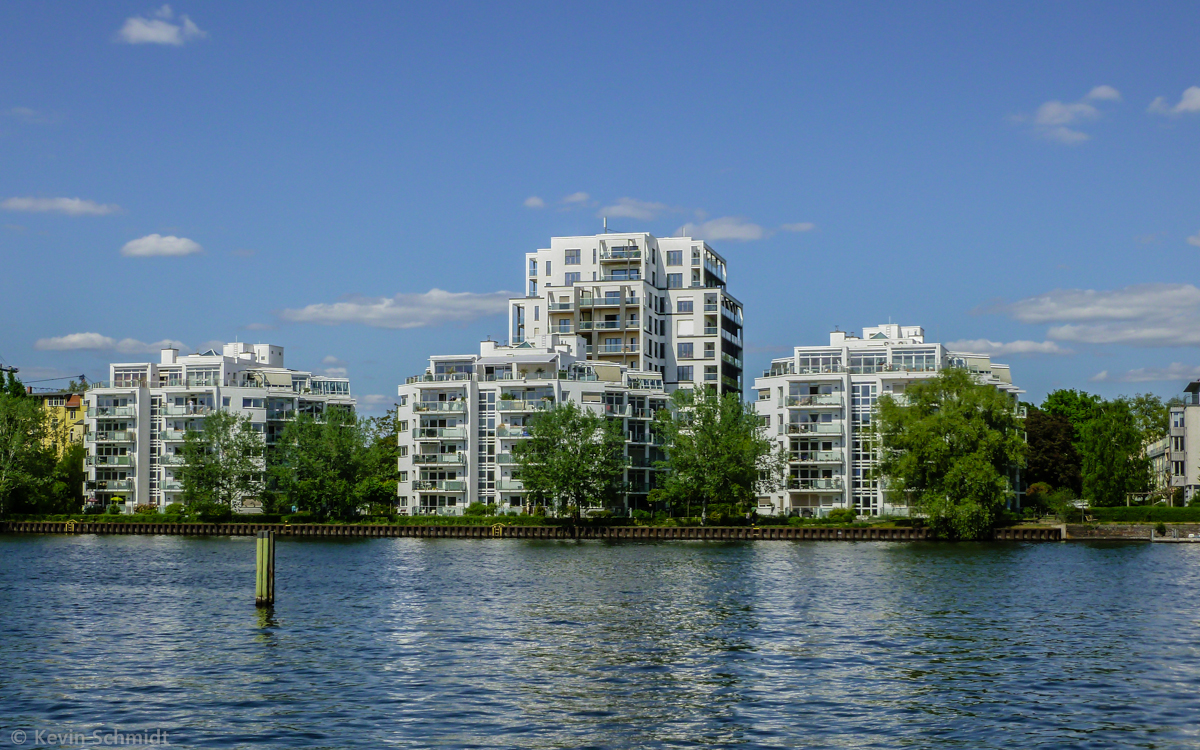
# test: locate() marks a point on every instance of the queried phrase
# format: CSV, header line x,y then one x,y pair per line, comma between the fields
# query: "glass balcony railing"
x,y
185,410
111,411
814,428
447,433
815,485
816,457
439,458
621,254
112,436
510,485
513,404
439,485
512,431
439,406
171,459
113,485
815,399
170,485
173,435
126,460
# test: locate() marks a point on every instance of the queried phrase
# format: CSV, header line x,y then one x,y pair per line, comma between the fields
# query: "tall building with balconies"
x,y
459,422
136,421
646,303
1179,464
819,404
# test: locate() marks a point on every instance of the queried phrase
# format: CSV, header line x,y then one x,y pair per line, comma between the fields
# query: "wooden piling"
x,y
264,582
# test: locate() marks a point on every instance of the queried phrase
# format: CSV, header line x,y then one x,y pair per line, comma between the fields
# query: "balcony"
x,y
173,436
814,428
439,485
608,301
126,460
621,278
170,485
171,459
186,410
506,459
815,485
562,307
510,485
112,436
812,400
728,359
423,459
439,378
710,331
606,325
620,255
513,404
440,433
112,485
111,411
736,317
439,406
280,414
735,340
816,457
613,349
512,431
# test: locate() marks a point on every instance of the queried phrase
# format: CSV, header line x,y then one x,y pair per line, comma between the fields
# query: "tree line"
x,y
41,471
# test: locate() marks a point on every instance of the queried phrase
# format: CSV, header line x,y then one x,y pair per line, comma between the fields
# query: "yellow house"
x,y
66,413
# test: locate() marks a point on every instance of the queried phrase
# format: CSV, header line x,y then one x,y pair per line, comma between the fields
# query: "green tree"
x,y
1052,457
64,491
223,464
1114,463
1077,407
718,454
1151,415
331,466
573,459
25,462
950,450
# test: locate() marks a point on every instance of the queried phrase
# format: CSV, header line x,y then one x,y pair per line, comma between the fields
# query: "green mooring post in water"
x,y
264,581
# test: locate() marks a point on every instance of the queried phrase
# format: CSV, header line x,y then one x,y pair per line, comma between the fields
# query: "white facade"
x,y
459,421
819,403
647,303
137,420
1181,463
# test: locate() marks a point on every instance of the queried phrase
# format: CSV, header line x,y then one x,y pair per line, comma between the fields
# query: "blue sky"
x,y
1023,177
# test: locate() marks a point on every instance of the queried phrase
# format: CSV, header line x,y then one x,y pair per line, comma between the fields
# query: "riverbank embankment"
x,y
500,531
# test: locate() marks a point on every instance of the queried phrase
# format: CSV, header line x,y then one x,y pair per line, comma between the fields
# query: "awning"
x,y
518,359
608,373
283,379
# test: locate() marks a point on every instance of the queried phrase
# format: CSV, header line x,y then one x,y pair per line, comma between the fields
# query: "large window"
x,y
532,267
686,350
571,258
571,278
674,257
684,373
674,281
683,306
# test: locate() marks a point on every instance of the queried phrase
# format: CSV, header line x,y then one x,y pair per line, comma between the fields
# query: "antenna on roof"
x,y
606,225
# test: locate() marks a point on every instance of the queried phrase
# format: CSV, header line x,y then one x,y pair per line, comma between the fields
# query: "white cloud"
x,y
331,360
1104,93
1059,121
375,403
69,206
259,327
631,208
1138,315
1174,371
724,228
334,372
1189,102
534,202
997,348
1194,239
99,342
156,244
804,226
159,30
580,197
430,308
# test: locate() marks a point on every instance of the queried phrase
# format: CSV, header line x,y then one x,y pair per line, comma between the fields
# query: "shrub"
x,y
1146,514
842,515
1160,528
476,509
146,510
174,509
303,516
114,509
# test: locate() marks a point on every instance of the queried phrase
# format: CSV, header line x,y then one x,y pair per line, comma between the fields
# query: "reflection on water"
x,y
512,643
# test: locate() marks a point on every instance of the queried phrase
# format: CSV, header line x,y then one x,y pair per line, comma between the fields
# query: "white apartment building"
x,y
136,421
459,421
819,403
1173,461
646,303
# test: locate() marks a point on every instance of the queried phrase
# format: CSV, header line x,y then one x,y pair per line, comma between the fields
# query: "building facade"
x,y
65,415
459,421
1181,461
136,422
819,404
642,302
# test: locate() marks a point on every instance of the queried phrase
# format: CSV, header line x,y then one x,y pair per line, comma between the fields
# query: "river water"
x,y
418,643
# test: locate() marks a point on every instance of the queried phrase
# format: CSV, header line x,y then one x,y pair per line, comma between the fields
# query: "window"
x,y
402,425
674,281
1177,419
593,256
685,350
547,268
403,451
571,278
695,256
537,311
532,267
710,372
253,403
404,400
710,350
225,401
683,373
683,306
571,258
404,476
674,257
1177,468
532,288
1177,443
